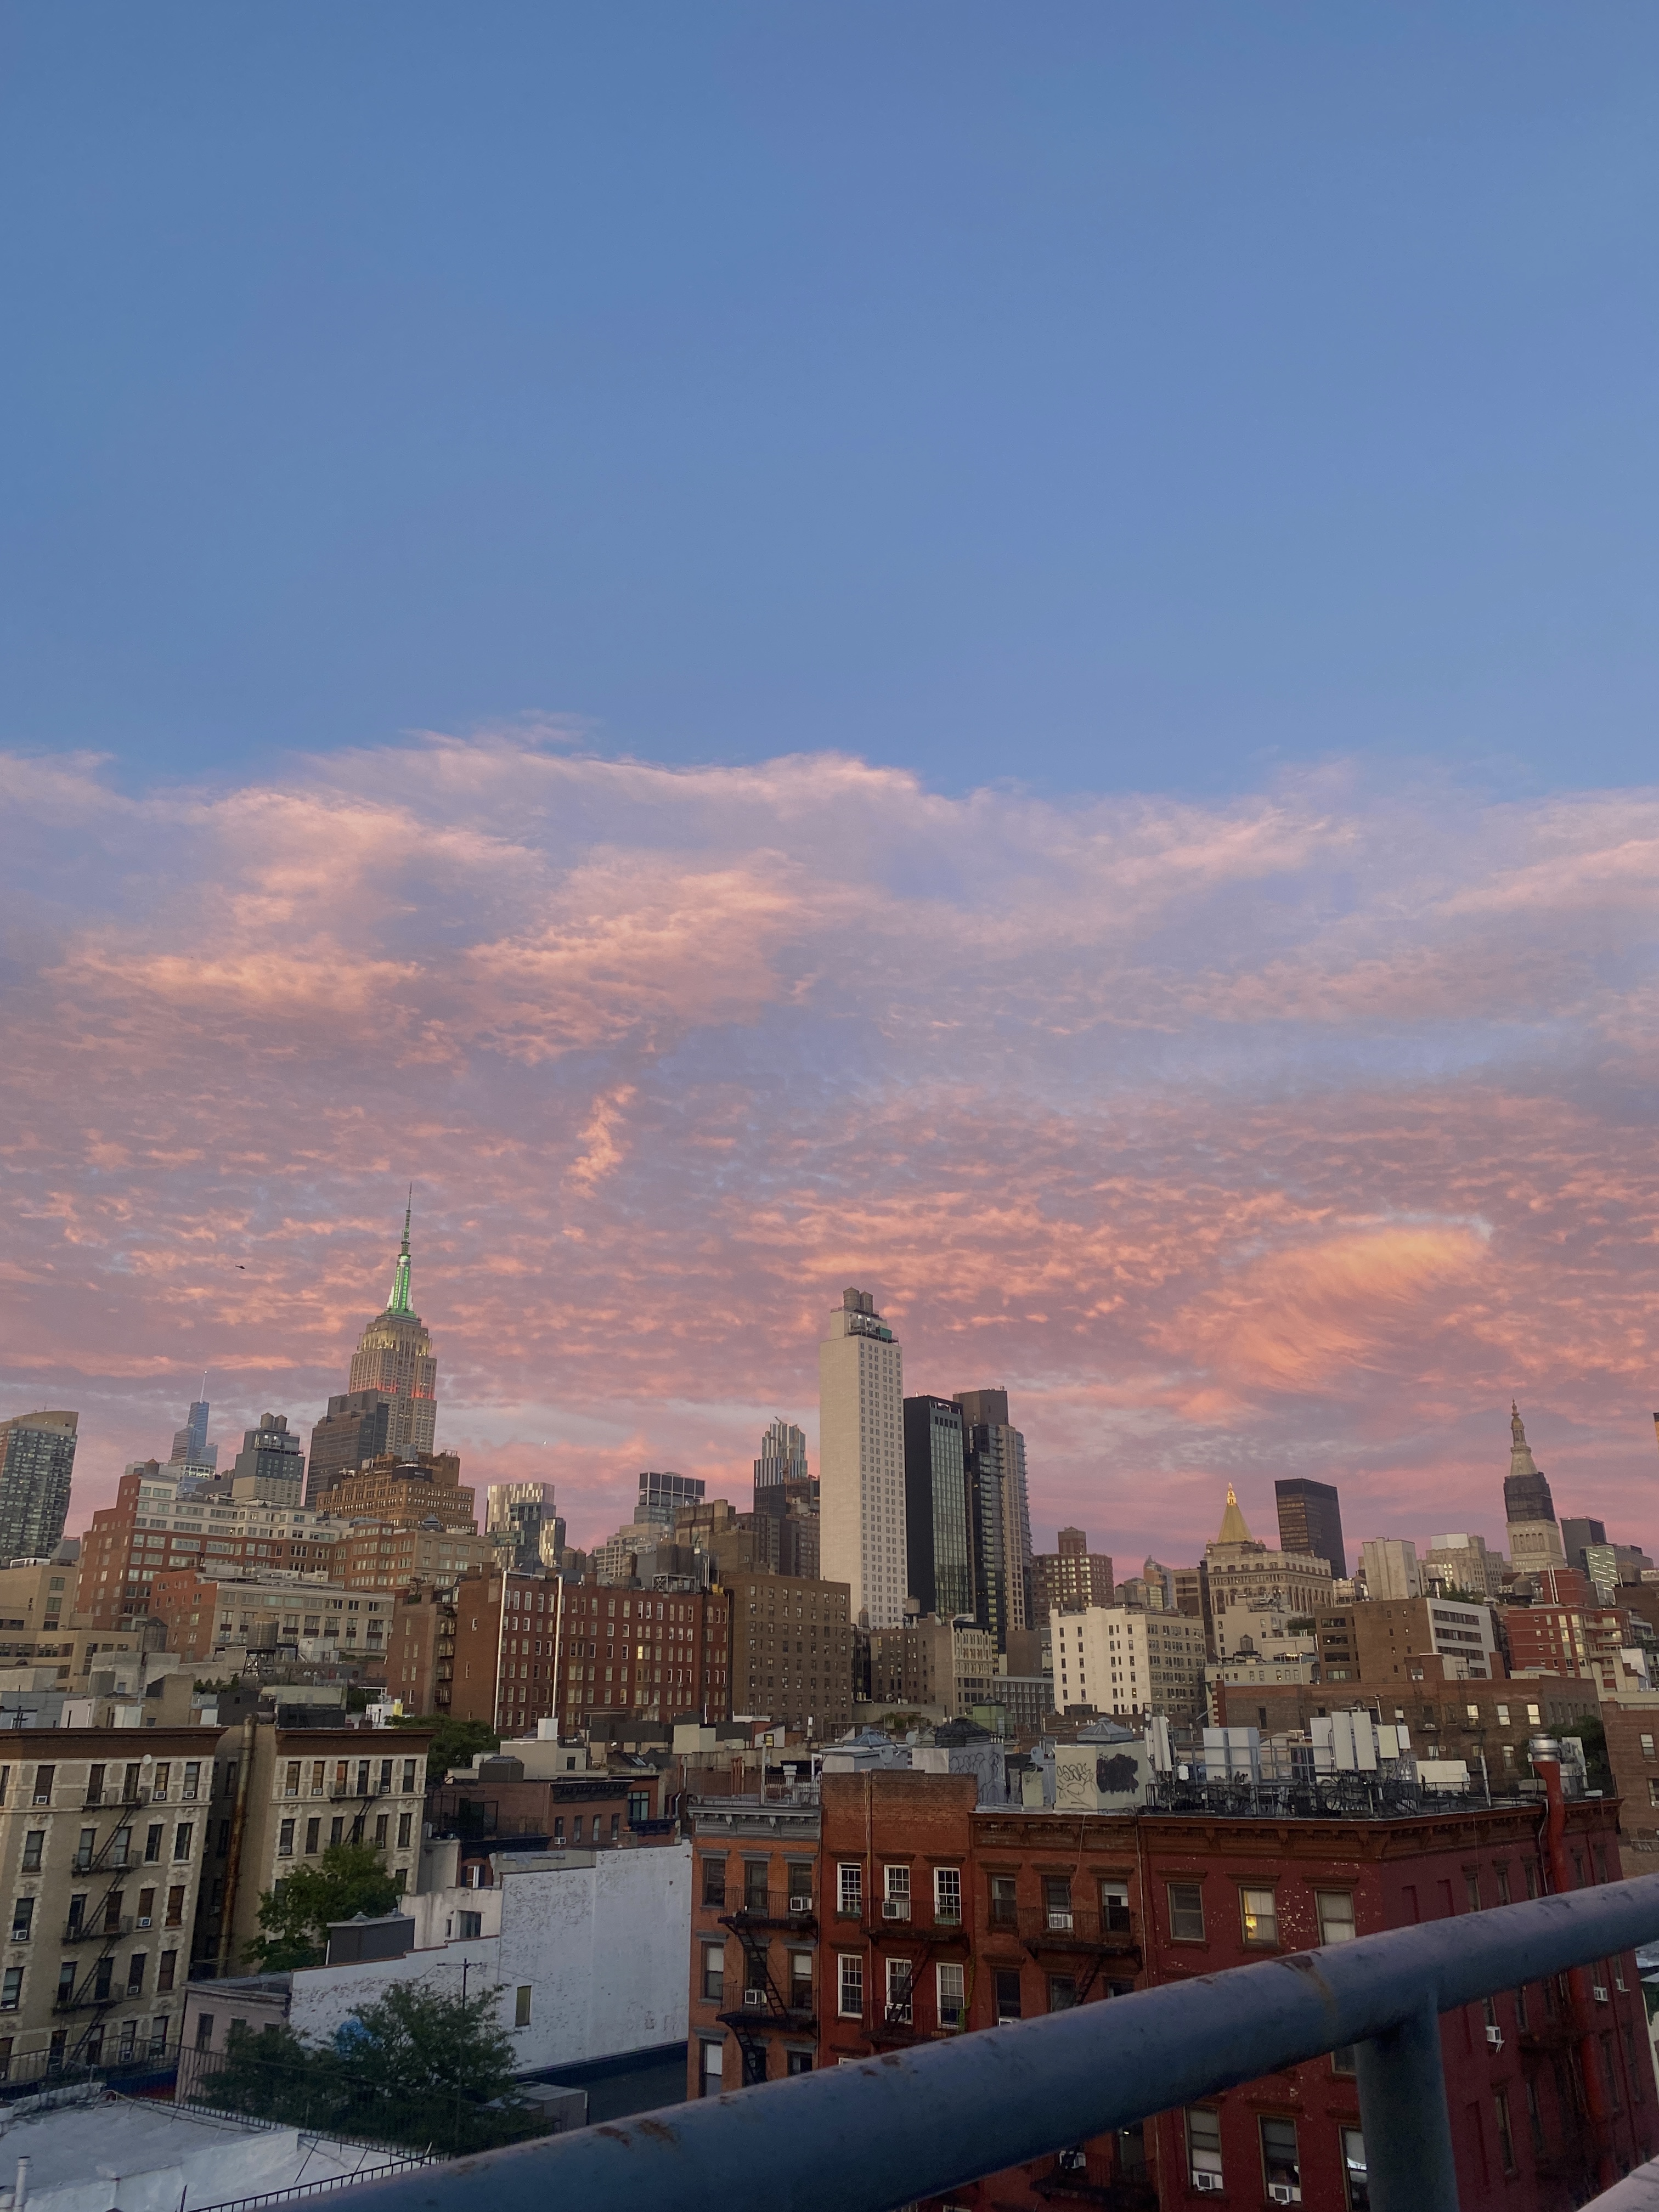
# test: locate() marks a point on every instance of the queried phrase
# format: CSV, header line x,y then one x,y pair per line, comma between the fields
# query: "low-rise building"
x,y
938,1918
1113,1659
282,1797
754,1983
103,1837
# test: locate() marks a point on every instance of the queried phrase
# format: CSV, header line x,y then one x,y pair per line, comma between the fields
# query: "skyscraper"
x,y
1310,1522
394,1355
996,1453
37,1460
270,1466
1534,1536
353,1431
520,1522
861,1461
661,1496
191,1448
782,1457
938,1524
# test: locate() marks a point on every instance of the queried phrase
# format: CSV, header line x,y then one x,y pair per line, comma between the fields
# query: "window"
x,y
1186,1912
1114,1908
1335,1914
205,2030
23,1919
43,1785
713,1974
1647,1747
1056,1901
1204,2147
1007,1995
285,1840
947,1894
800,1981
34,1845
849,1896
899,1971
404,1823
1353,2167
166,1968
1279,2165
711,2069
521,2005
175,1908
953,1995
1062,1992
182,1837
1260,1916
895,1904
136,1966
314,1833
1342,2060
576,1830
1506,2138
797,2061
291,1779
1502,1884
1005,1910
850,1999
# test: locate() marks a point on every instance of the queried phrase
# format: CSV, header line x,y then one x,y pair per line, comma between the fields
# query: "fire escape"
x,y
87,1983
765,2008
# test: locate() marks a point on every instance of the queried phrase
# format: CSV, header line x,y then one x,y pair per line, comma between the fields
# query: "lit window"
x,y
1260,1916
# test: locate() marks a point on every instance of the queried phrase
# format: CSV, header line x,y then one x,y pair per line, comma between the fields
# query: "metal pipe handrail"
x,y
915,2123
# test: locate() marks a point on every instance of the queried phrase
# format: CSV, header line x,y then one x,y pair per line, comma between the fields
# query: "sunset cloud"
x,y
1291,1133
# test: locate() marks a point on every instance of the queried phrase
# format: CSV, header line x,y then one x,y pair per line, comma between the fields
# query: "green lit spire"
x,y
399,1302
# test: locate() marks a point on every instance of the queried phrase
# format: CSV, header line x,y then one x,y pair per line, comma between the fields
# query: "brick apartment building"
x,y
531,1646
588,1808
205,1612
792,1652
1381,1641
151,1528
935,1918
1070,1577
103,1838
1472,1721
756,2000
420,1653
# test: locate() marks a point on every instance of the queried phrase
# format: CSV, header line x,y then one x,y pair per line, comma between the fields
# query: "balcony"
x,y
1077,1928
773,1908
919,2121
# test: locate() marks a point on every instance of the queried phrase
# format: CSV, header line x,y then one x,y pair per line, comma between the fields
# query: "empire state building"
x,y
394,1357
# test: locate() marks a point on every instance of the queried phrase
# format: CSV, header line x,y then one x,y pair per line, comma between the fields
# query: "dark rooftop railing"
x,y
915,2123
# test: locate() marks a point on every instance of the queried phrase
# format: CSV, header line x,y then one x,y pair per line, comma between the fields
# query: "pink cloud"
x,y
1289,1134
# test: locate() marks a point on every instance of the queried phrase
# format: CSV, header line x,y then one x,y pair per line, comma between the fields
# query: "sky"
x,y
1005,656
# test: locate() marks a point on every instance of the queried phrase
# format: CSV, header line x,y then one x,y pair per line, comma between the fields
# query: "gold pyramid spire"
x,y
1234,1528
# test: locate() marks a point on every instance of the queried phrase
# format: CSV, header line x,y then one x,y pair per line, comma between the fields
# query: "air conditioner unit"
x,y
1059,1920
1599,1993
1495,2039
754,2001
801,1905
1284,2192
1207,2181
895,1908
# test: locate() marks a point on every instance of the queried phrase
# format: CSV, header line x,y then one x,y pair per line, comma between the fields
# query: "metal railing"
x,y
918,2121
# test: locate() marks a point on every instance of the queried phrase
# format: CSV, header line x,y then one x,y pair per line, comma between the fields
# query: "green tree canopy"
x,y
295,1917
454,1743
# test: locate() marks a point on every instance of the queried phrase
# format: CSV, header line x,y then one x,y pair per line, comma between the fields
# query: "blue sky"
x,y
1110,399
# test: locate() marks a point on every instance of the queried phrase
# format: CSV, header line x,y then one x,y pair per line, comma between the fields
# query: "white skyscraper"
x,y
861,1460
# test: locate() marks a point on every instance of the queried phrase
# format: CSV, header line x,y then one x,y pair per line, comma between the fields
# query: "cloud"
x,y
1289,1133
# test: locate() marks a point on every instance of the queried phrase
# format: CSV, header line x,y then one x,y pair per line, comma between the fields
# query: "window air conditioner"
x,y
1599,1993
1495,2039
801,1905
1207,2181
895,1908
1059,1920
754,2001
1284,2192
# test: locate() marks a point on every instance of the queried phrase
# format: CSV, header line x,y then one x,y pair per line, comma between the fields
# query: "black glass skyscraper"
x,y
1311,1522
938,1519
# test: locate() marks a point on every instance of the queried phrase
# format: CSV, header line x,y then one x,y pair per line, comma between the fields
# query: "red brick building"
x,y
1546,1639
936,1918
531,1646
756,1999
122,1552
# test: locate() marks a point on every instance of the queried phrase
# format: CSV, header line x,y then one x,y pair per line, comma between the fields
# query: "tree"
x,y
454,1743
416,2068
349,1879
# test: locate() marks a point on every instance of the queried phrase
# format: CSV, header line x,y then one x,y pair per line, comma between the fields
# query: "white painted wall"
x,y
601,1940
